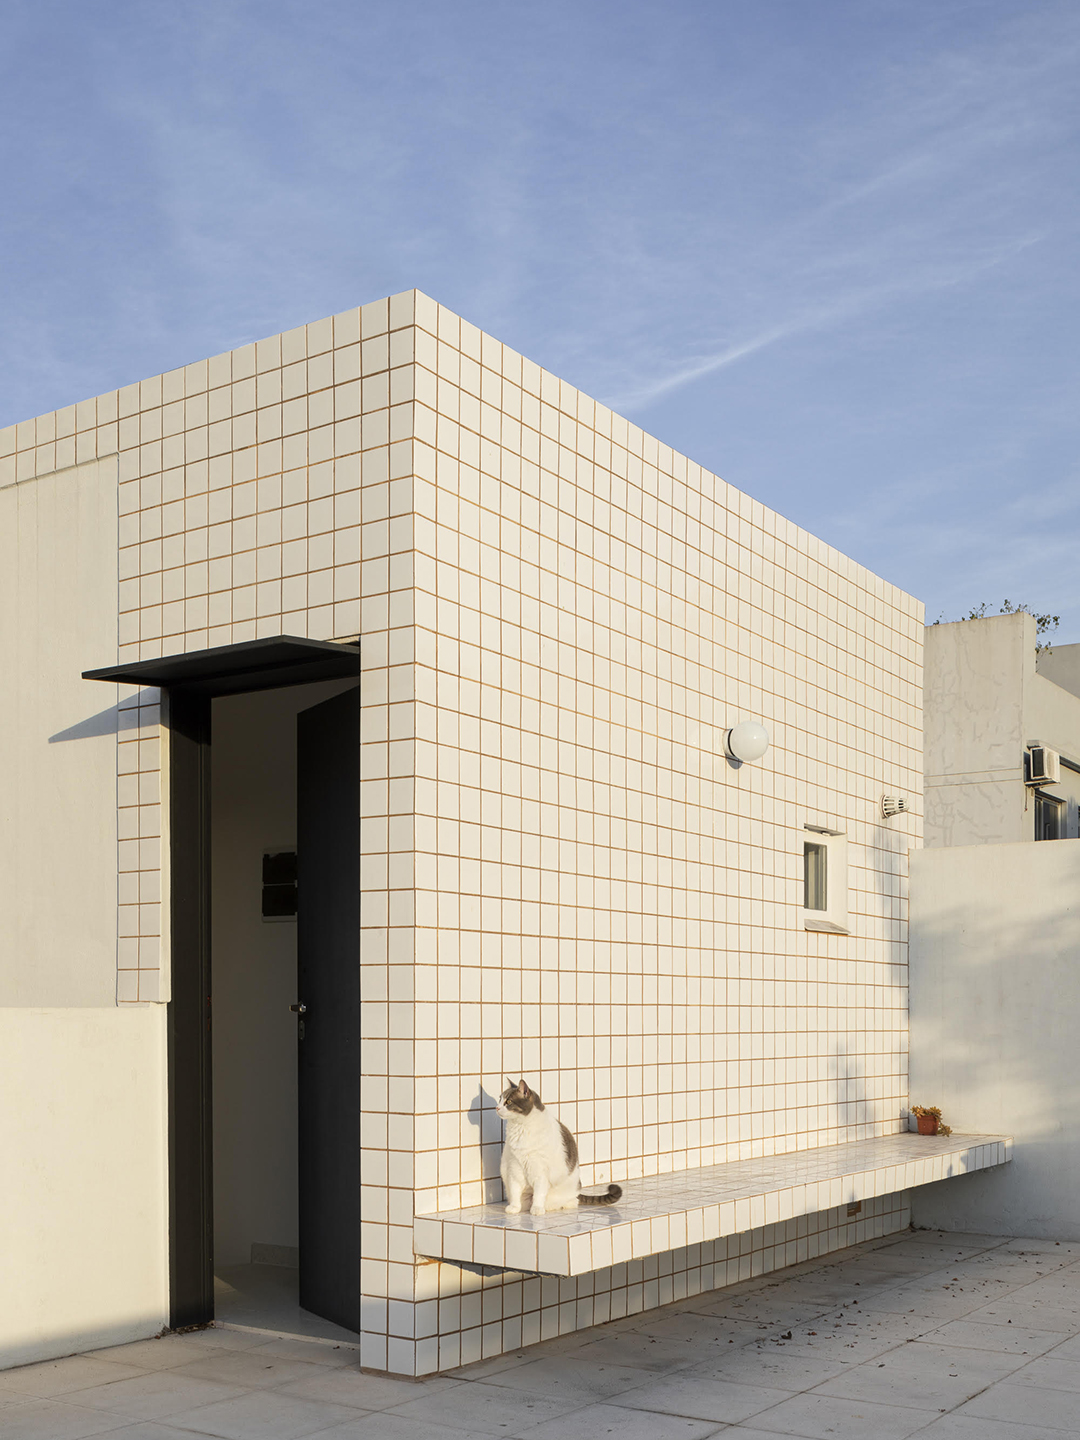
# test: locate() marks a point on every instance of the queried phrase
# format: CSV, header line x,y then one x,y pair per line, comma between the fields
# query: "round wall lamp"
x,y
747,741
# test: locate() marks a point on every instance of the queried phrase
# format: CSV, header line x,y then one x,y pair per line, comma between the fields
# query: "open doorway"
x,y
289,1148
258,1032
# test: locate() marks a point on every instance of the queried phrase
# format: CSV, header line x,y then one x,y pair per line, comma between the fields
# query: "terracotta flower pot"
x,y
927,1124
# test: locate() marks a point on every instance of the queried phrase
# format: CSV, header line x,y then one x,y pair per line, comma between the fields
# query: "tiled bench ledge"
x,y
666,1212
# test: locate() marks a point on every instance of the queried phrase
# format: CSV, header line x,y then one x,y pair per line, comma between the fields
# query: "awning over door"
x,y
234,669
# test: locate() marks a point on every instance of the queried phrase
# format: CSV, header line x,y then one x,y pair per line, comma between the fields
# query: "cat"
x,y
540,1155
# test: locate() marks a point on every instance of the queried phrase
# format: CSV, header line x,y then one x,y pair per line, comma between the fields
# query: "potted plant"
x,y
929,1119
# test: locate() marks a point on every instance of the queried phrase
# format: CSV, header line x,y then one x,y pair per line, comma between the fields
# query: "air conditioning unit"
x,y
1044,766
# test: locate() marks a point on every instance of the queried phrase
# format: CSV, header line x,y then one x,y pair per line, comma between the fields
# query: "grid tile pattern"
x,y
459,1316
670,1211
562,877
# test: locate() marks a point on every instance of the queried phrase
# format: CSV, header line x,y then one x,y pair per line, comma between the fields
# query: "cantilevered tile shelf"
x,y
666,1212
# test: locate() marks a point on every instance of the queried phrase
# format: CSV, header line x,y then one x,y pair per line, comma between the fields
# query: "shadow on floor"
x,y
266,1297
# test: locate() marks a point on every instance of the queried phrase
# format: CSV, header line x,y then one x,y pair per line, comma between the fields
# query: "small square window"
x,y
815,875
825,880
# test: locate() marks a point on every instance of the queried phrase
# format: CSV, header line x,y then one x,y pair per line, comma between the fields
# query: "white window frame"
x,y
834,918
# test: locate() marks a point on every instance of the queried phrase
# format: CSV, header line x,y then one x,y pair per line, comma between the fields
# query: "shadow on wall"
x,y
481,1115
860,1071
995,1022
112,721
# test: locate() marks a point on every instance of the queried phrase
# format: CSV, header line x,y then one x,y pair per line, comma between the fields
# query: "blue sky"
x,y
827,249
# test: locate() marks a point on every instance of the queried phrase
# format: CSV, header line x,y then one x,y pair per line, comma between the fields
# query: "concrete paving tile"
x,y
486,1409
1030,1317
924,1375
811,1297
827,1416
147,1430
40,1419
1027,1405
1012,1339
1063,1249
767,1309
774,1369
941,1302
1059,1283
700,1398
289,1348
897,1262
263,1415
1053,1373
61,1377
649,1352
579,1380
704,1329
940,1247
846,1334
968,1427
154,1396
381,1425
161,1354
218,1337
249,1369
1068,1349
595,1421
481,1369
365,1392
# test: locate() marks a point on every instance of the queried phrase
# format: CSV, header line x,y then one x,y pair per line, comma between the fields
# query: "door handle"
x,y
298,1009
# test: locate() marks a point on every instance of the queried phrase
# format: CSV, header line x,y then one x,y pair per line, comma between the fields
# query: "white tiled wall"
x,y
562,877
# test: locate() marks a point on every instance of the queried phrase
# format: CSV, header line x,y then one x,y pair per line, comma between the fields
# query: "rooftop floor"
x,y
943,1336
666,1212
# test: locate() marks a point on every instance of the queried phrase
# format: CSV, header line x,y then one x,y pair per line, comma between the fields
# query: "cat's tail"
x,y
613,1194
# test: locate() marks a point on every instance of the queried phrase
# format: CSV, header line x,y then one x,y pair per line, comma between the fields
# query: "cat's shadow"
x,y
481,1114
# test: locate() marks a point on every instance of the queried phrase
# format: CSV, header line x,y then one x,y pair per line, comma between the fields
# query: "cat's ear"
x,y
523,1090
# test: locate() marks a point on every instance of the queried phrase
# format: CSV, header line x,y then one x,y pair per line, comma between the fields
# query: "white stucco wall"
x,y
83,1230
995,1015
58,568
83,1252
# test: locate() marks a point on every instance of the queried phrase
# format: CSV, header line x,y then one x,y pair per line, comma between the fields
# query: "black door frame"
x,y
189,682
190,1038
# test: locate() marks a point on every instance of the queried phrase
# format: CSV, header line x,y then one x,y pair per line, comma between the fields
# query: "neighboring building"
x,y
995,923
988,700
561,873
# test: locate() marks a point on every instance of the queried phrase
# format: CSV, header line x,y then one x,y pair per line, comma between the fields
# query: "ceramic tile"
x,y
560,619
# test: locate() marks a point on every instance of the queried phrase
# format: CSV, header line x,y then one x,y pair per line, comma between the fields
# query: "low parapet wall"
x,y
995,1028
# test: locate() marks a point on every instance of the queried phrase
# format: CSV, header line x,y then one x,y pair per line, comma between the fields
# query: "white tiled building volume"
x,y
563,877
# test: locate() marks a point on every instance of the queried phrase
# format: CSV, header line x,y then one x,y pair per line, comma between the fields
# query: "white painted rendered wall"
x,y
58,739
995,1020
83,1229
83,1225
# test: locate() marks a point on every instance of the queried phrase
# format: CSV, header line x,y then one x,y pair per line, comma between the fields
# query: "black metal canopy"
x,y
233,669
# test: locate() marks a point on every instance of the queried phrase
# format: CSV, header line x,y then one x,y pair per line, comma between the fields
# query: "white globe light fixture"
x,y
747,741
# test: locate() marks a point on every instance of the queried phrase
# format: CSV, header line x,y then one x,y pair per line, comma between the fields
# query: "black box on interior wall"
x,y
279,885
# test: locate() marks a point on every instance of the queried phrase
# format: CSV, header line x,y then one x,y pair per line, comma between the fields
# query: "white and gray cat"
x,y
540,1156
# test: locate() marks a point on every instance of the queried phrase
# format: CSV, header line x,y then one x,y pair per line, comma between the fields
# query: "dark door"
x,y
328,964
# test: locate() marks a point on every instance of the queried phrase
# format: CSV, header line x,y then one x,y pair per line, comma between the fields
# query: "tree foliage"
x,y
1044,624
